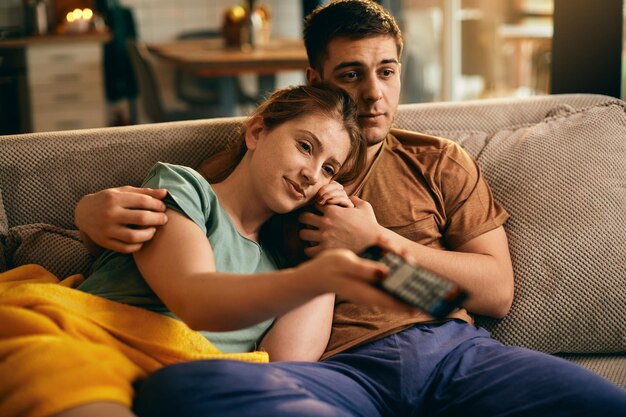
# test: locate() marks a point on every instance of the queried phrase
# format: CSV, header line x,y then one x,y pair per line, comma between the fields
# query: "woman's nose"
x,y
311,174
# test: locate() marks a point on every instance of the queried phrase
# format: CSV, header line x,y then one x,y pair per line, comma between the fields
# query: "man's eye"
x,y
352,75
388,72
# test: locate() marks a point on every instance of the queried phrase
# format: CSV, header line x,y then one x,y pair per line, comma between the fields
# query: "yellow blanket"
x,y
60,347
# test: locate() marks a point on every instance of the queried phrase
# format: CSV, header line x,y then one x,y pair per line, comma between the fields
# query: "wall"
x,y
162,20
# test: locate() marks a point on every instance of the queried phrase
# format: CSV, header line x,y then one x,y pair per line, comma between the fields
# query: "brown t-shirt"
x,y
430,191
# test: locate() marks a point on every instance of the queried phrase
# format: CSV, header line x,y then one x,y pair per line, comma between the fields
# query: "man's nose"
x,y
371,89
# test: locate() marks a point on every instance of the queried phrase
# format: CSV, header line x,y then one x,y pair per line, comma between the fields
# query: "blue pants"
x,y
450,369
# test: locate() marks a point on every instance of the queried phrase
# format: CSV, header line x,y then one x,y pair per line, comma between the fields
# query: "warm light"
x,y
79,15
236,14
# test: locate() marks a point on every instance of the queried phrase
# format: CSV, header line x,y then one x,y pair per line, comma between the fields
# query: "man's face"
x,y
369,70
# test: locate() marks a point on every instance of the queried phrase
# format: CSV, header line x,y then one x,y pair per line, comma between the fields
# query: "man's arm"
x,y
482,265
121,219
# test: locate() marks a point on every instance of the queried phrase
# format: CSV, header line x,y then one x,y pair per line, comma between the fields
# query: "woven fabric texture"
x,y
610,367
60,251
43,175
487,116
563,181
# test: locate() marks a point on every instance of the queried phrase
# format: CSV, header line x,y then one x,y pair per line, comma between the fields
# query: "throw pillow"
x,y
58,250
563,181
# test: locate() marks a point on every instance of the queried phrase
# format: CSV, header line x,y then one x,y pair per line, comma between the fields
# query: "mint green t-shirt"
x,y
116,276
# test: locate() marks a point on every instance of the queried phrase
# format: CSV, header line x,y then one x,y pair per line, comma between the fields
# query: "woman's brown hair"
x,y
291,103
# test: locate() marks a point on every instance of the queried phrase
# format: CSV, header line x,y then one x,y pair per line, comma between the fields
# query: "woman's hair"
x,y
291,103
352,19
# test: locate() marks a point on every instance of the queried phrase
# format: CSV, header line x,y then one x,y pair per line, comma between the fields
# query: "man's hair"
x,y
353,19
291,103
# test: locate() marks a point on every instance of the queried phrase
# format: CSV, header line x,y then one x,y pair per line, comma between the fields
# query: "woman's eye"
x,y
305,147
330,171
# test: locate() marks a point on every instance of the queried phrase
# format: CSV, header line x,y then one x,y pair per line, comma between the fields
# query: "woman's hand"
x,y
333,193
342,272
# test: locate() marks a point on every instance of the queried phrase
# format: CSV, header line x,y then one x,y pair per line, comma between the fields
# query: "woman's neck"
x,y
239,199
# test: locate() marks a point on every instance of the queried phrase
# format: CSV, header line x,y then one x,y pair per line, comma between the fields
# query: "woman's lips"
x,y
295,189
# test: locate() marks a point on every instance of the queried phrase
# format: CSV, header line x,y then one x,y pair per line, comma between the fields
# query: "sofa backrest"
x,y
43,175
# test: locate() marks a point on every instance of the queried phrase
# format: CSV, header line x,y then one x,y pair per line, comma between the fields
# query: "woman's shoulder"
x,y
187,190
163,171
178,177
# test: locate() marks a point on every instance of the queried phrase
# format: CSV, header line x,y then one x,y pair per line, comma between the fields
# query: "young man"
x,y
425,196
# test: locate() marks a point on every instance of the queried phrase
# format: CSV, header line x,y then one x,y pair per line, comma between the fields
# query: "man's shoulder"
x,y
417,141
428,151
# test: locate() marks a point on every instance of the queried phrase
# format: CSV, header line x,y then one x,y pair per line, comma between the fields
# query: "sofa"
x,y
556,163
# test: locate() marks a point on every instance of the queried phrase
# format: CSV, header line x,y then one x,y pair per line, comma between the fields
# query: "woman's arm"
x,y
178,265
303,333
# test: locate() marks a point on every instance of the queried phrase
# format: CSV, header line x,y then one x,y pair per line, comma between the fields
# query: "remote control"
x,y
416,286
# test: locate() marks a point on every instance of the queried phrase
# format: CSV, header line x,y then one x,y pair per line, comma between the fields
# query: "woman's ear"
x,y
253,132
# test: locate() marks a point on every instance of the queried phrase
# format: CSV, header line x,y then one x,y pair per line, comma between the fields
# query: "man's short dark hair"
x,y
353,19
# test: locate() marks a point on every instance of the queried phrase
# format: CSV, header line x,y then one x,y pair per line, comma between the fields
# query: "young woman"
x,y
295,146
207,267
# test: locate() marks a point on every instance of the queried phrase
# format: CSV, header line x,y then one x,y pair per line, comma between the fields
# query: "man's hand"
x,y
340,227
121,219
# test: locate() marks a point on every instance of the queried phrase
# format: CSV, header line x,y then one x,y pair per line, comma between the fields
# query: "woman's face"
x,y
291,162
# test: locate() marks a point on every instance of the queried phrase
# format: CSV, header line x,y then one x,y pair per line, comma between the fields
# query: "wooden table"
x,y
211,58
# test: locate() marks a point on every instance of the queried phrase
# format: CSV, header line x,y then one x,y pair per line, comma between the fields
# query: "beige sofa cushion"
x,y
59,250
564,183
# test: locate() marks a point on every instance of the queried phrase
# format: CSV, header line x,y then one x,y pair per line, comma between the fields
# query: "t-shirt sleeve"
x,y
187,191
470,207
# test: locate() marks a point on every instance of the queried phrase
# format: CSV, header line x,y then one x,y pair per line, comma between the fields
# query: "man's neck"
x,y
372,151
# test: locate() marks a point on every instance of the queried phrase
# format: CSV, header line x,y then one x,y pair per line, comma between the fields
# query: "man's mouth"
x,y
295,189
371,116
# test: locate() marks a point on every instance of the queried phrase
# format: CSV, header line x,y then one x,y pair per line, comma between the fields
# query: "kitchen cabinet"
x,y
66,86
64,81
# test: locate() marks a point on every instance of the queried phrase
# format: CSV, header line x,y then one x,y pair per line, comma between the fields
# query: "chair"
x,y
202,91
150,94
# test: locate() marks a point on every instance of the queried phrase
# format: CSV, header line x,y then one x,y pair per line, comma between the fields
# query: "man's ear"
x,y
253,132
312,76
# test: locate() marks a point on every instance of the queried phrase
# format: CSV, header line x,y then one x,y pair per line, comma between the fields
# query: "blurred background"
x,y
67,64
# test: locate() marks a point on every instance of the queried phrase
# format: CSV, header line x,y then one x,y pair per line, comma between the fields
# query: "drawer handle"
x,y
67,97
62,57
67,77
